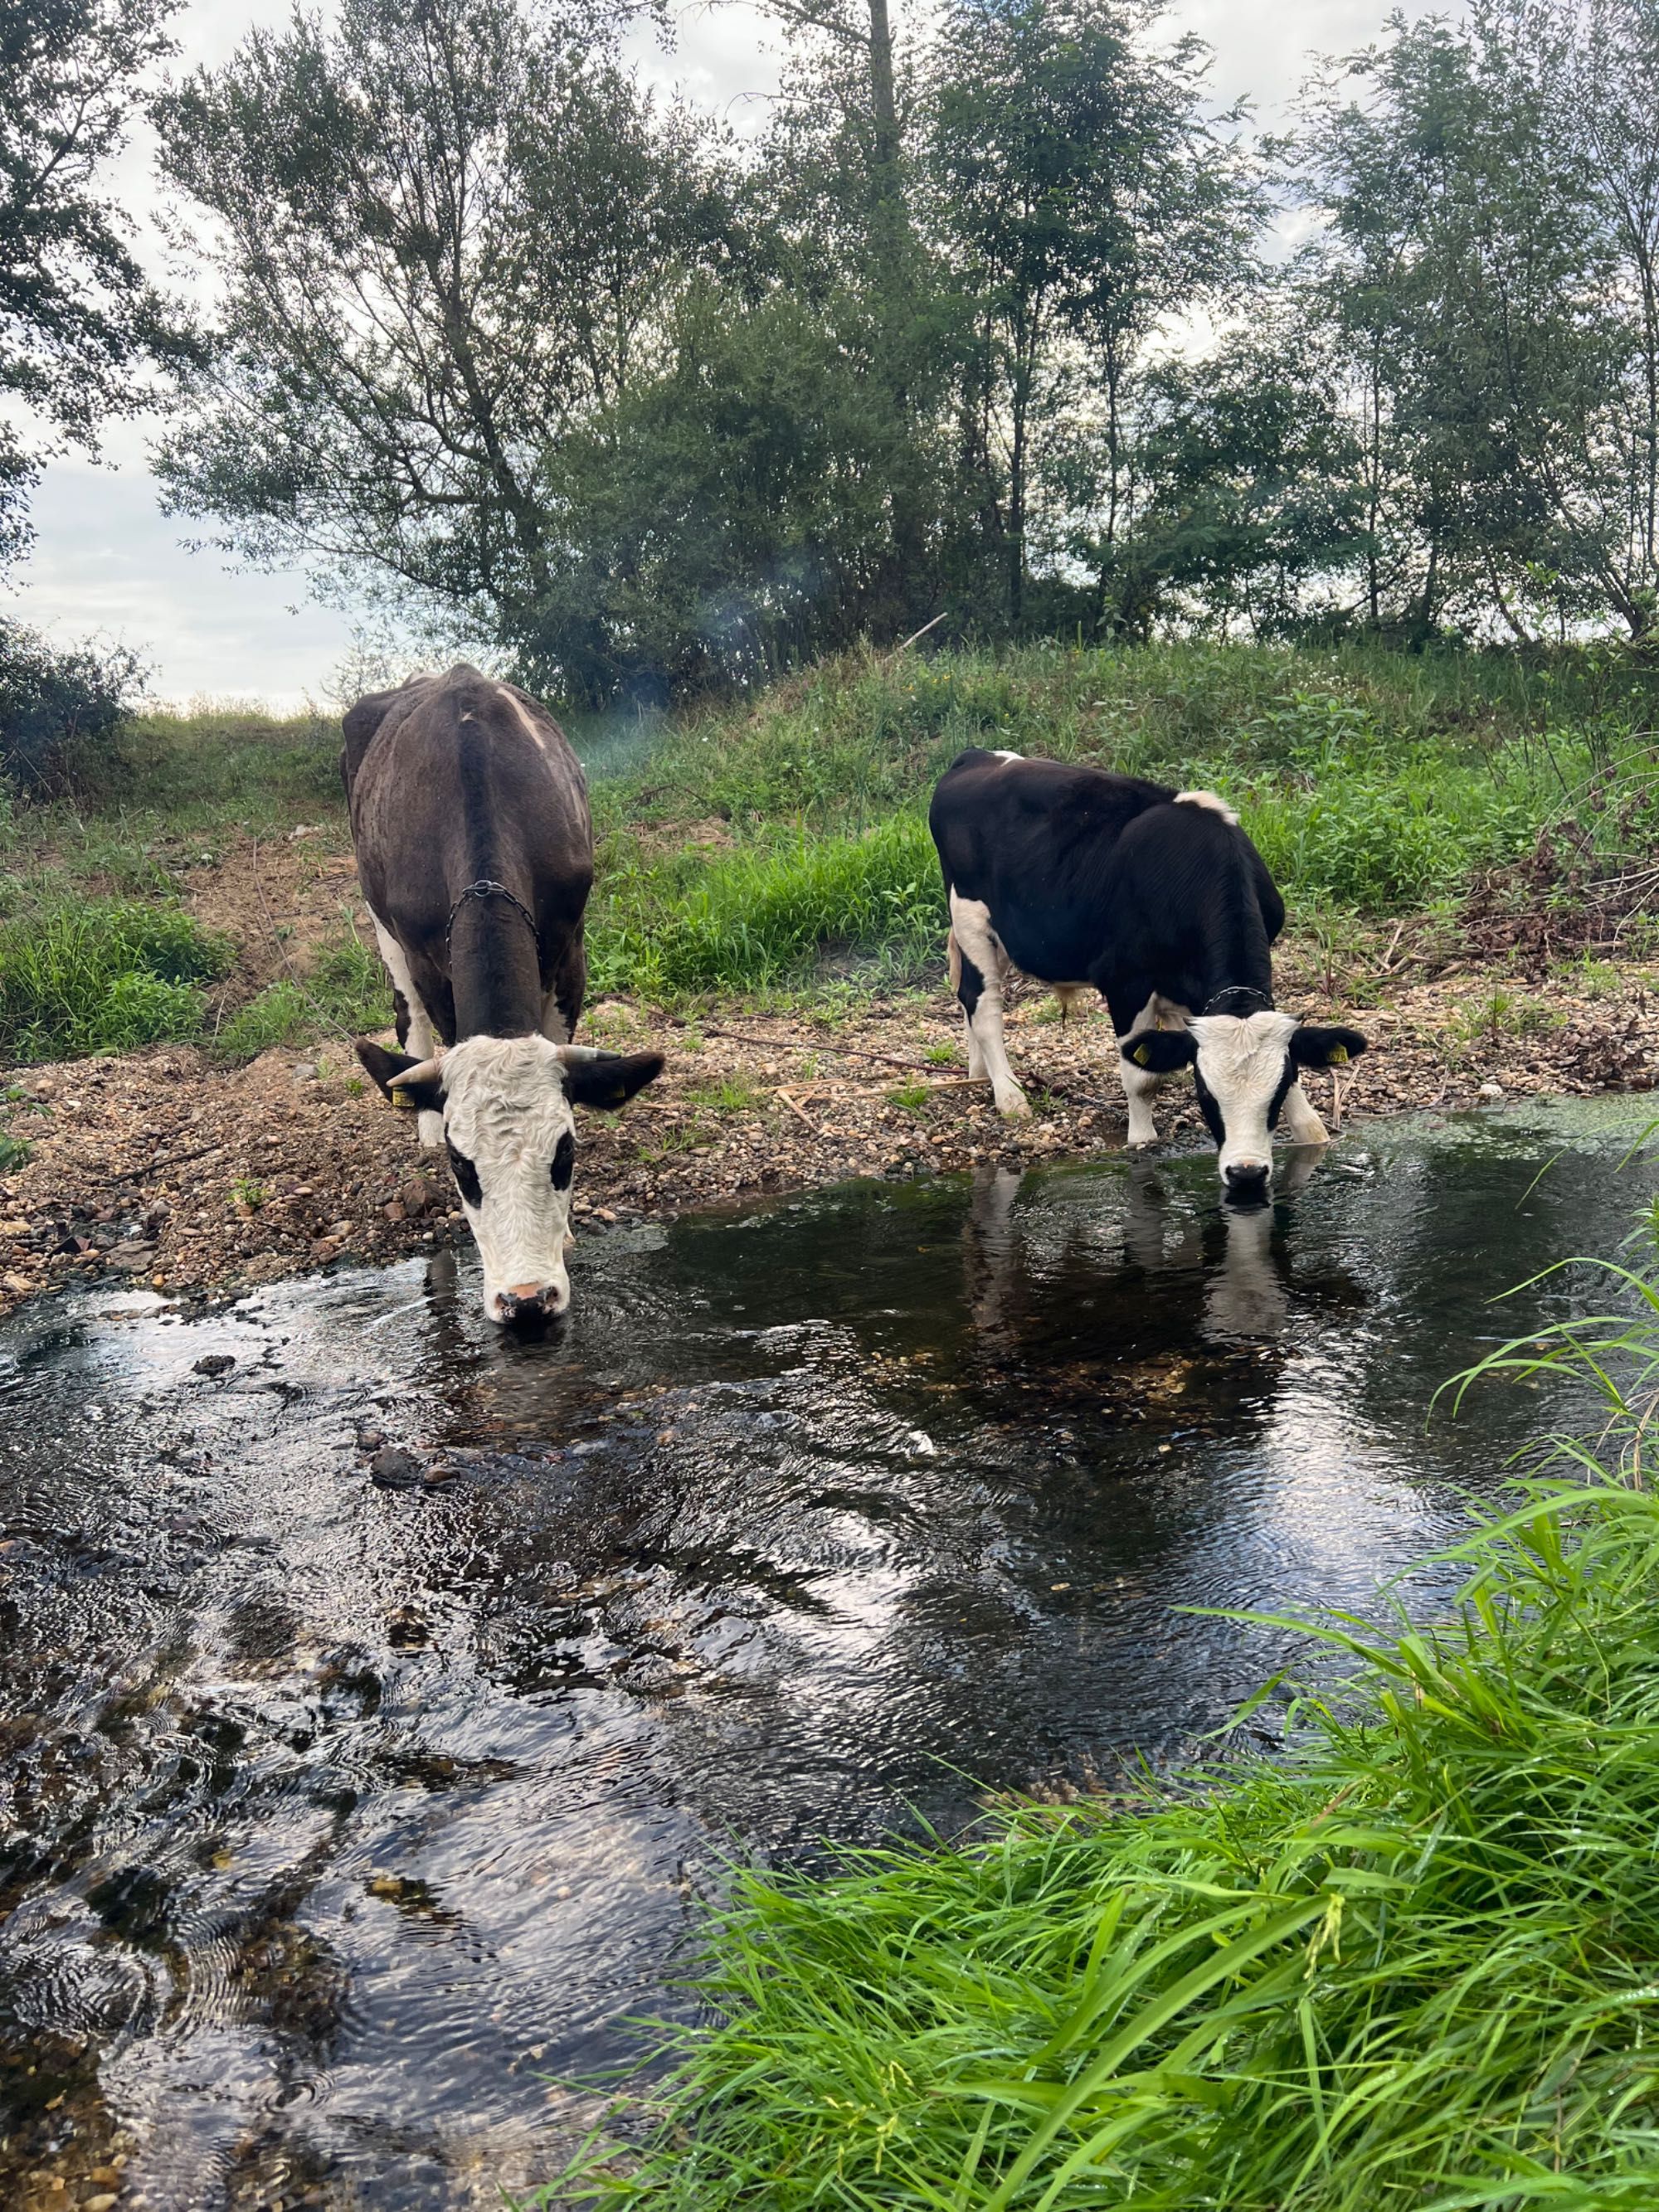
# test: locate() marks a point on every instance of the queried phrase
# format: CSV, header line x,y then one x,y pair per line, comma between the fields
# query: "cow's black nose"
x,y
530,1310
1245,1175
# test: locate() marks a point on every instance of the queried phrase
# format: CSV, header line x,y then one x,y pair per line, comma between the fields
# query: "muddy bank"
x,y
170,1171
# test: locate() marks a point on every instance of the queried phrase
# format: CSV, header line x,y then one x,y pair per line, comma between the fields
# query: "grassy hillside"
x,y
781,842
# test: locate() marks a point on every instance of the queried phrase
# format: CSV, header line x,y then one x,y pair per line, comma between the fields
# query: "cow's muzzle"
x,y
530,1305
1247,1179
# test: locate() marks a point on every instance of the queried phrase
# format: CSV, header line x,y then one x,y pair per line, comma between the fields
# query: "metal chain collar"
x,y
486,888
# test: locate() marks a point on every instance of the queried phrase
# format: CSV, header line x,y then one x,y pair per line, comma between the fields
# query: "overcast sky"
x,y
107,561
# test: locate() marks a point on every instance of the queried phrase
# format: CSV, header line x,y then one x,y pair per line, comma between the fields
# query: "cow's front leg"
x,y
1302,1125
563,1005
415,1030
1138,1088
1139,1084
979,988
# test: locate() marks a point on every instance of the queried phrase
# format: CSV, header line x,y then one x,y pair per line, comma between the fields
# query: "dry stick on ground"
x,y
799,1113
916,636
795,1044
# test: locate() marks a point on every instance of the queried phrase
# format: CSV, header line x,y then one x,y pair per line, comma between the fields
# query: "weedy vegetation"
x,y
1414,1963
1378,784
102,976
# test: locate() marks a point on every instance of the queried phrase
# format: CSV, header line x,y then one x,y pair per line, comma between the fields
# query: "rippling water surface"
x,y
339,1820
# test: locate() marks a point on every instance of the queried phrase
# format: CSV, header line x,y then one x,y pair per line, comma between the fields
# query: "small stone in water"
x,y
394,1468
215,1363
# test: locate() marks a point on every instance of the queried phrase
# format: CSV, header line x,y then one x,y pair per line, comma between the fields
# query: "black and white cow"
x,y
1158,900
475,851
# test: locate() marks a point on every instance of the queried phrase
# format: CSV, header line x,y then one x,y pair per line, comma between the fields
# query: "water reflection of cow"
x,y
1190,1324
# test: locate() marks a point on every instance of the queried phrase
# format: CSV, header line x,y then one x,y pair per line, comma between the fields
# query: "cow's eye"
x,y
564,1162
466,1176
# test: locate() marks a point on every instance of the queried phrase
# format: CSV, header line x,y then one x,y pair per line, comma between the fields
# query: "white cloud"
x,y
107,559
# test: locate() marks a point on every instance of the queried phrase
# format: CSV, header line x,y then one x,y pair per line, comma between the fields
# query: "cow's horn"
x,y
425,1073
569,1052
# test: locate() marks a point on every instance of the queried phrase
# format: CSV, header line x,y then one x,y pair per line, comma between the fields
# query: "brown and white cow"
x,y
475,851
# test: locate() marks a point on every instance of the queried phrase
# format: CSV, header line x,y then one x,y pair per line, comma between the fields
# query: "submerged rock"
x,y
394,1468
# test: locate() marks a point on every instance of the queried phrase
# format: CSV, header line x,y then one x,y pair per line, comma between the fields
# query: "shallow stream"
x,y
340,1820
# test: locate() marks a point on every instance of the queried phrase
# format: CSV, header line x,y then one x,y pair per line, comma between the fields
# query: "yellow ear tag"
x,y
401,1097
1337,1056
1141,1054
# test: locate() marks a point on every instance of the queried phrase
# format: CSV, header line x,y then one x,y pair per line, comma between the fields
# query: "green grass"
x,y
1375,782
102,976
345,990
688,924
1414,1964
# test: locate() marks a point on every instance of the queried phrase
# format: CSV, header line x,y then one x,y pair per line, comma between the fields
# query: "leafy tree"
x,y
1490,219
1254,496
451,239
735,510
77,316
1085,195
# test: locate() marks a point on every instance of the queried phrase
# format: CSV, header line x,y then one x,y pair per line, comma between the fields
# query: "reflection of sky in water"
x,y
369,1811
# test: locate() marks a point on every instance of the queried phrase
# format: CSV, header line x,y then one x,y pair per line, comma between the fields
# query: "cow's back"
x,y
455,778
1033,841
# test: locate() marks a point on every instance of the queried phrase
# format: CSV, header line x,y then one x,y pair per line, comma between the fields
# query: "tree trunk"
x,y
894,253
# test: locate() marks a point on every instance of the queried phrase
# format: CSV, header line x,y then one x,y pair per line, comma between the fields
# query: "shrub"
x,y
60,705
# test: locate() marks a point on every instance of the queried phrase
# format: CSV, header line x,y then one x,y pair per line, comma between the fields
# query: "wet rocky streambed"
x,y
345,1818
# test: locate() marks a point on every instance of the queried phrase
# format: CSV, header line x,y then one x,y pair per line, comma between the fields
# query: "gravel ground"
x,y
171,1172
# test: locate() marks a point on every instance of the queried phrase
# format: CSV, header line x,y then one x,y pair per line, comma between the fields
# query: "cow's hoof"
x,y
1013,1106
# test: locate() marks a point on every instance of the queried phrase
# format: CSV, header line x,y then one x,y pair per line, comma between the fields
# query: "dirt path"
x,y
174,1172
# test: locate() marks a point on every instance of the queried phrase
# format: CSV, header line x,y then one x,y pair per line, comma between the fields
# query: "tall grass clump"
x,y
767,912
1414,1964
102,976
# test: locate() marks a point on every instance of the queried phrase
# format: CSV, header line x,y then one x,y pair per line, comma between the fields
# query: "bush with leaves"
x,y
60,705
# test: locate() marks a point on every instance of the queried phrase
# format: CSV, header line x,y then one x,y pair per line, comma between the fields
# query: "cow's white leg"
x,y
554,1026
423,1039
1139,1082
970,925
1138,1088
954,963
1301,1124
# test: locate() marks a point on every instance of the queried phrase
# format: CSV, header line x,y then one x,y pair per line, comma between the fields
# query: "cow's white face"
x,y
1244,1067
1242,1070
510,1135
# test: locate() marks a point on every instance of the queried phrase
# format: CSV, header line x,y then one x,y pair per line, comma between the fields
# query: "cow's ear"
x,y
611,1079
1312,1047
390,1068
1160,1052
